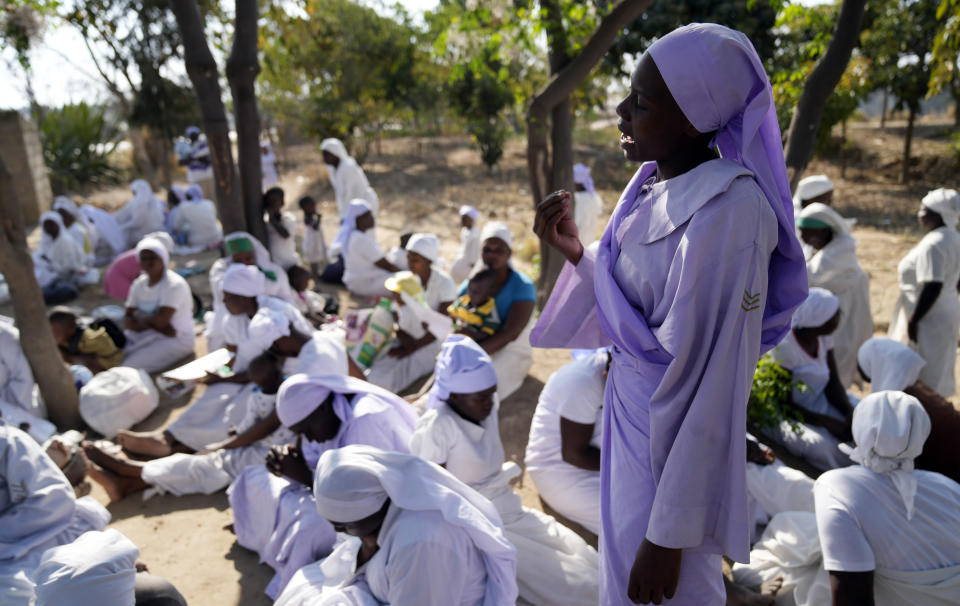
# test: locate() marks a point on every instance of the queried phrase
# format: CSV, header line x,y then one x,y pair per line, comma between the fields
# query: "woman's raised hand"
x,y
554,225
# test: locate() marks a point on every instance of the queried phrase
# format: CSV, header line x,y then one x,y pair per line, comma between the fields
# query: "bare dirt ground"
x,y
421,183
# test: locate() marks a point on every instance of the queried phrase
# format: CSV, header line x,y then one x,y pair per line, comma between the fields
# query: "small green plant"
x,y
78,142
770,397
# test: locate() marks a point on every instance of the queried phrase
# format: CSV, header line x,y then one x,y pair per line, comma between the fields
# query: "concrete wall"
x,y
22,154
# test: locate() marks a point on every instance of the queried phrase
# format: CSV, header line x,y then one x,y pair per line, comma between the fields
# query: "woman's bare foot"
x,y
153,443
739,595
82,489
116,464
114,485
772,587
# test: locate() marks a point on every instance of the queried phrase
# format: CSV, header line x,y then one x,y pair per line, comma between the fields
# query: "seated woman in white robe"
x,y
418,536
20,400
812,189
159,319
423,295
460,431
469,252
78,226
587,205
364,266
515,297
889,532
831,254
197,218
38,510
273,509
281,227
217,465
807,352
203,422
59,257
110,241
927,313
141,215
887,364
348,180
244,249
563,450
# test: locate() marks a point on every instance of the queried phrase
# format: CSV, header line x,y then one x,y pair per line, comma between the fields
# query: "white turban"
x,y
889,429
946,203
820,306
244,280
97,568
354,482
425,245
164,239
813,186
581,175
155,246
824,214
497,229
469,211
65,203
266,326
889,363
462,367
358,207
302,394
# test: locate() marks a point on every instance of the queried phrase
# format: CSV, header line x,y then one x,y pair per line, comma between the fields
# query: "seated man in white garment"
x,y
563,452
417,535
889,533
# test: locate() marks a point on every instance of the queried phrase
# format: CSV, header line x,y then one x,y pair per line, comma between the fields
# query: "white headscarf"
x,y
194,193
335,147
889,363
425,245
302,394
266,326
97,568
462,367
469,211
244,280
946,203
811,187
179,192
142,190
65,203
164,239
358,206
889,429
581,175
820,306
155,246
823,213
63,253
497,229
354,482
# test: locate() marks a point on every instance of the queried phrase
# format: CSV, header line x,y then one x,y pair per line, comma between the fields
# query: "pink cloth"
x,y
123,270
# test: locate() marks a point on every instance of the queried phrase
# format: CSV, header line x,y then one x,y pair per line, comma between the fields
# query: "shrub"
x,y
78,140
770,396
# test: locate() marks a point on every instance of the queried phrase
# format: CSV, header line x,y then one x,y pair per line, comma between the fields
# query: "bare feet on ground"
x,y
739,595
112,483
115,463
153,443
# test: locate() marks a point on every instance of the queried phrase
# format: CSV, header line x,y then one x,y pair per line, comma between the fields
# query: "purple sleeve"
x,y
572,304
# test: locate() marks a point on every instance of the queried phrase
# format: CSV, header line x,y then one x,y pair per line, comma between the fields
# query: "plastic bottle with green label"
x,y
379,331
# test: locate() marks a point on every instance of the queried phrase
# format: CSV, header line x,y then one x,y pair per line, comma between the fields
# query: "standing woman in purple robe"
x,y
697,274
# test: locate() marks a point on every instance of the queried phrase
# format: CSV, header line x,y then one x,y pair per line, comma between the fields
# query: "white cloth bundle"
x,y
117,399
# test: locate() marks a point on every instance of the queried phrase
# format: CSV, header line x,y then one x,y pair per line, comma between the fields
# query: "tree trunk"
x,y
141,158
819,86
242,70
202,69
55,382
907,142
552,103
883,110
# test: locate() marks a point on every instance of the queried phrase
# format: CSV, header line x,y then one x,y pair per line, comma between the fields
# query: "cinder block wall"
x,y
22,154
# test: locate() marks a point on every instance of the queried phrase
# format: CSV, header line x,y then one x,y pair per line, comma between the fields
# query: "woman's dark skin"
x,y
237,305
273,203
826,198
496,255
159,320
51,228
330,159
929,291
67,218
817,237
367,530
808,338
320,425
654,128
851,588
365,222
473,407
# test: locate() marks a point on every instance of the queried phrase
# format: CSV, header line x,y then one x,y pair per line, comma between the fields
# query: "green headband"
x,y
809,223
238,245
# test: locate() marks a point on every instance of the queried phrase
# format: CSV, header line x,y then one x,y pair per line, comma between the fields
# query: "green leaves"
x,y
78,142
770,396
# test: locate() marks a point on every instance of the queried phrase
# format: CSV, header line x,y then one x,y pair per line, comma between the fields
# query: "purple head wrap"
x,y
581,175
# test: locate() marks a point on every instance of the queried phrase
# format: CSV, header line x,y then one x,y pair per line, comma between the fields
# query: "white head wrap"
x,y
302,394
889,363
46,241
581,175
469,211
820,306
141,189
425,245
65,203
358,207
462,367
946,203
354,482
821,212
266,326
244,280
889,429
813,186
497,229
163,237
335,147
194,193
192,130
97,568
179,192
155,246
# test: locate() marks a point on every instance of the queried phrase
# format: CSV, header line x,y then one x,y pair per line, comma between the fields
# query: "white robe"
x,y
835,268
587,207
140,216
17,387
350,182
198,219
60,258
314,245
468,255
283,250
360,274
148,349
935,259
268,170
554,565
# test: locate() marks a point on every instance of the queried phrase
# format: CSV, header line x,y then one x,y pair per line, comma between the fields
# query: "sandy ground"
x,y
421,184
